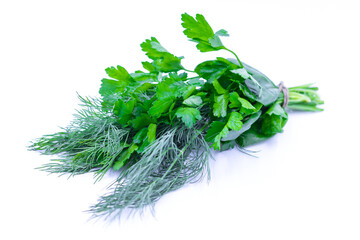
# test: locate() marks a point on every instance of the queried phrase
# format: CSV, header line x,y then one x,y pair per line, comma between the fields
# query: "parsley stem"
x,y
187,70
241,65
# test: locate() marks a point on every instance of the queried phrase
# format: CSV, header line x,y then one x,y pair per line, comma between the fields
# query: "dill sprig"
x,y
179,156
92,142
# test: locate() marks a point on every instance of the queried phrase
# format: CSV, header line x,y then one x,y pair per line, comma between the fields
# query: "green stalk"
x,y
237,58
304,98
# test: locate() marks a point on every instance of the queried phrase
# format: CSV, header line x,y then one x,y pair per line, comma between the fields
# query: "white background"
x,y
304,183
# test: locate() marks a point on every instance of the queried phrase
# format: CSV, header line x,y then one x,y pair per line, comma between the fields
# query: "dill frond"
x,y
179,156
92,142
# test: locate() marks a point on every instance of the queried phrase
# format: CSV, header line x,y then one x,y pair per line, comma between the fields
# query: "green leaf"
x,y
274,120
197,81
220,105
188,115
141,121
164,91
193,101
111,89
118,73
143,77
250,137
245,126
124,111
148,66
140,136
160,106
163,60
234,121
242,72
250,82
199,30
216,131
151,134
189,90
270,92
211,70
219,89
124,156
237,102
143,87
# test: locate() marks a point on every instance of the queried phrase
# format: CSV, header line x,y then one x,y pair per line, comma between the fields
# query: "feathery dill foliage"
x,y
156,127
92,142
179,156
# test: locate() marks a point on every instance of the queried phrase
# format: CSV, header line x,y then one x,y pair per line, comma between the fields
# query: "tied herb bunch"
x,y
157,127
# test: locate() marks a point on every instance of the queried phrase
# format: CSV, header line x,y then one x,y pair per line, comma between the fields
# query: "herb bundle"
x,y
157,127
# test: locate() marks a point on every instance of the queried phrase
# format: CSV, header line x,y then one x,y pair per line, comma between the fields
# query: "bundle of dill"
x,y
157,127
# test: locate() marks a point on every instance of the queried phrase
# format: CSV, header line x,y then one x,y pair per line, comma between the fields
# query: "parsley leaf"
x,y
163,60
237,102
124,111
193,101
216,131
188,115
124,156
234,121
199,30
151,134
160,106
220,105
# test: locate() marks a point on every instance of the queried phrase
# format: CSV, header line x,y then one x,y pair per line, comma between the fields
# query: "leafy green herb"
x,y
156,127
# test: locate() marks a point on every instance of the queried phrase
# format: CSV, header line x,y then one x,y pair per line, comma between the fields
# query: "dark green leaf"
x,y
140,136
237,102
160,106
219,89
246,126
123,110
124,156
211,70
141,121
274,120
216,131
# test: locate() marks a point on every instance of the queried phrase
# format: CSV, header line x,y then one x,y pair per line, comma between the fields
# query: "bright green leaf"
x,y
188,115
118,73
199,30
219,89
216,131
163,60
151,134
140,136
164,91
124,156
220,105
193,101
189,90
234,121
160,106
